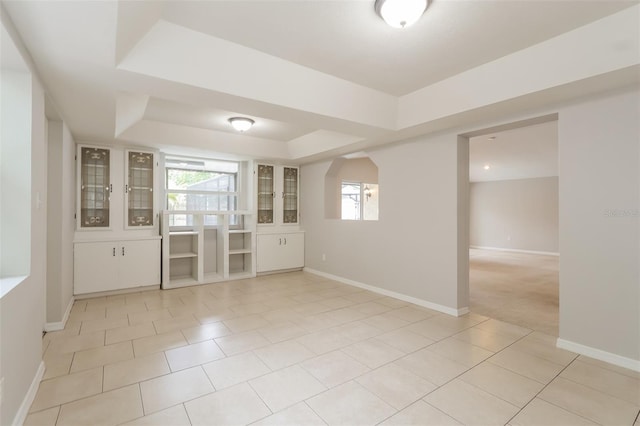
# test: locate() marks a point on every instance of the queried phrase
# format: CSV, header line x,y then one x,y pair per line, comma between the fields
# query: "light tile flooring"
x,y
297,349
518,288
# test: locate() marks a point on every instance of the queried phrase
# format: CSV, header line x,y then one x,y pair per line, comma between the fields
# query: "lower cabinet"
x,y
280,251
115,265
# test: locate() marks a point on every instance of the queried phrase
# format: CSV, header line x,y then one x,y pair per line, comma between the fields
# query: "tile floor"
x,y
518,288
298,349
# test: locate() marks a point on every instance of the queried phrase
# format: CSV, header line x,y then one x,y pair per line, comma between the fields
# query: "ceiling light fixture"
x,y
487,167
401,13
241,124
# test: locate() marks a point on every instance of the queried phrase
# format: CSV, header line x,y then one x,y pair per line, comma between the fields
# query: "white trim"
x,y
620,361
56,326
23,411
410,299
546,253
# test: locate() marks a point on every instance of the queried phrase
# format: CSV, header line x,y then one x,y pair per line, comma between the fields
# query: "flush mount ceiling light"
x,y
241,124
401,13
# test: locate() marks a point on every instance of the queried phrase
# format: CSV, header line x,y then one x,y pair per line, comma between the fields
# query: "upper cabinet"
x,y
95,187
139,189
277,192
266,193
116,189
290,195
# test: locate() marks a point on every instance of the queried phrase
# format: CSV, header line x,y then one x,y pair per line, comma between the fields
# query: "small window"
x,y
359,201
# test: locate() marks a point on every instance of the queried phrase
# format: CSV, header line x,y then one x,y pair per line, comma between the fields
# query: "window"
x,y
202,185
359,201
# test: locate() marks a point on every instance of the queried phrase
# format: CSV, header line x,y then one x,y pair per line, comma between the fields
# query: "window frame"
x,y
233,197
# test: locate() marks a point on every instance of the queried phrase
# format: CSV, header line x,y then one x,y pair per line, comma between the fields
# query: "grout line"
x,y
543,388
184,407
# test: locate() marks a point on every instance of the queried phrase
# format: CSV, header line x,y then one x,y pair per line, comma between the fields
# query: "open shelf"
x,y
207,250
240,251
182,255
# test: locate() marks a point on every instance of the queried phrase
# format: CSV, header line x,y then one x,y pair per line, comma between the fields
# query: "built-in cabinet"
x,y
117,241
138,189
277,189
280,251
114,265
280,243
95,187
207,247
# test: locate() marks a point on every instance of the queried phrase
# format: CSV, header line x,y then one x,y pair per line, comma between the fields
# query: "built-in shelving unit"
x,y
207,247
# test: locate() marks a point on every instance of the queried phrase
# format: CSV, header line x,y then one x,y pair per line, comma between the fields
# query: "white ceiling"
x,y
521,153
320,78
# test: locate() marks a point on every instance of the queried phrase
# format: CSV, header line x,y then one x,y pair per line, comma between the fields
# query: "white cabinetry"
x,y
113,180
208,247
280,251
115,265
117,241
280,244
277,190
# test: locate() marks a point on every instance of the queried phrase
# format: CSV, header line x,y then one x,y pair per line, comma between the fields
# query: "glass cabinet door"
x,y
95,188
290,195
266,193
139,189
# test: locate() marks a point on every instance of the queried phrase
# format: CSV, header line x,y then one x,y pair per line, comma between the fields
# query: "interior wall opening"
x,y
351,189
513,224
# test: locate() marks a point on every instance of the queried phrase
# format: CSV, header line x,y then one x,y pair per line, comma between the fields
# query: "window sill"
x,y
9,283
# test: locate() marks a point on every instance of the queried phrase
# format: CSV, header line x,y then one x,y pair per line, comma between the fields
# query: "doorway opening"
x,y
513,224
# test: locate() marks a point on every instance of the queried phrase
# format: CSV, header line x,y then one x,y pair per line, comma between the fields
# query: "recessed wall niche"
x,y
359,172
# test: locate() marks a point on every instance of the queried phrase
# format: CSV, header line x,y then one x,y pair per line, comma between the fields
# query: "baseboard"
x,y
546,253
599,354
56,326
23,411
404,297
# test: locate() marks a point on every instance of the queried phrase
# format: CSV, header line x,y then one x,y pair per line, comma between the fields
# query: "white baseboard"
x,y
410,299
620,361
55,326
23,411
546,253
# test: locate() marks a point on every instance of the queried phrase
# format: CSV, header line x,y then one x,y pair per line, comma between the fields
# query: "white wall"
x,y
415,247
15,168
22,309
517,214
412,249
599,224
60,221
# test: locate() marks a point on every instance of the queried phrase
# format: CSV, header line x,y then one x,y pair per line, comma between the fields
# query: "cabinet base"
x,y
279,271
116,292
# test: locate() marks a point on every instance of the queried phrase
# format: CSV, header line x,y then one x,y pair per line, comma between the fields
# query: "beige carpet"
x,y
515,287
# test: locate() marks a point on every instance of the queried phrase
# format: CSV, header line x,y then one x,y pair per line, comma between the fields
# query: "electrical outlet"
x,y
508,237
324,257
